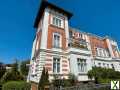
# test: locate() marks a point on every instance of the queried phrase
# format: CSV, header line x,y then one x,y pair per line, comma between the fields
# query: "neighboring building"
x,y
63,50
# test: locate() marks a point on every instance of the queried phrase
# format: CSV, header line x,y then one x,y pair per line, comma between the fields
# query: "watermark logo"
x,y
115,85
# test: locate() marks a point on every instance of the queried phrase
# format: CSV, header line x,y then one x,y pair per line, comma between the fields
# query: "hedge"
x,y
16,85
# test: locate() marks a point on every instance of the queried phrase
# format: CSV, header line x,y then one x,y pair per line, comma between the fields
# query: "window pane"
x,y
53,20
57,21
79,67
56,40
82,67
58,67
54,67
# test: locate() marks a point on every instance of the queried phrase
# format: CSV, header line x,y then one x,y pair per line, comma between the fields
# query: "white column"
x,y
109,47
45,29
66,31
73,64
33,49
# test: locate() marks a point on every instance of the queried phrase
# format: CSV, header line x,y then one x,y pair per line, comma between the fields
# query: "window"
x,y
81,65
112,66
57,21
56,65
103,64
56,40
107,65
80,35
102,52
99,64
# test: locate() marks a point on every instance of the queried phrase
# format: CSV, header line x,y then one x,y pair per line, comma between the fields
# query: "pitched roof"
x,y
45,4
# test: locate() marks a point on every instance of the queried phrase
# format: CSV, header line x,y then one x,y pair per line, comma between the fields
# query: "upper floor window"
x,y
82,66
57,21
56,65
102,52
56,40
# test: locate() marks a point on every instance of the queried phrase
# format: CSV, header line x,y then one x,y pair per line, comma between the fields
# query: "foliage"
x,y
99,73
12,74
16,85
2,70
44,80
24,68
15,66
72,79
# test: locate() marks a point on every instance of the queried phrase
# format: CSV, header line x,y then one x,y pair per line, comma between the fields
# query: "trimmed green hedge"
x,y
16,85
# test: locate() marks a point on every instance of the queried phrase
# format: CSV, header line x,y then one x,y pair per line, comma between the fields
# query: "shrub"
x,y
103,74
44,80
17,85
24,68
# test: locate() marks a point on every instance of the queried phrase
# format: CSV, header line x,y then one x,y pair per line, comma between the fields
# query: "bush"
x,y
17,85
103,75
44,80
12,76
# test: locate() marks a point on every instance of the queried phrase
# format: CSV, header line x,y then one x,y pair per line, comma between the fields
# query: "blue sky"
x,y
101,17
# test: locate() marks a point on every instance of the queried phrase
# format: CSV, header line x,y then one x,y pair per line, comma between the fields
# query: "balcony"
x,y
78,46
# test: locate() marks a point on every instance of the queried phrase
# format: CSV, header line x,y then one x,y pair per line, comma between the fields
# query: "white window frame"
x,y
101,52
58,18
60,42
80,62
55,59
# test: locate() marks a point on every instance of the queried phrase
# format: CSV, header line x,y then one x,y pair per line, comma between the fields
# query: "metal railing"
x,y
87,87
78,43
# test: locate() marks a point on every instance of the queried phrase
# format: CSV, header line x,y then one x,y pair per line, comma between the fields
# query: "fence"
x,y
88,87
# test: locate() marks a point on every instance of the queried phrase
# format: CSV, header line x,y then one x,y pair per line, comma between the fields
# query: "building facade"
x,y
62,49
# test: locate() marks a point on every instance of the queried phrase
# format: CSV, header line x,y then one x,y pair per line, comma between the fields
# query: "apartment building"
x,y
62,49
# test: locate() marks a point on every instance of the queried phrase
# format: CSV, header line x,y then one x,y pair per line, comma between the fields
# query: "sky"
x,y
100,17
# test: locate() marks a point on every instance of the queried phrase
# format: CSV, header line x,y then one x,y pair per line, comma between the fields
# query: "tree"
x,y
72,79
15,66
2,69
103,73
13,74
44,79
24,68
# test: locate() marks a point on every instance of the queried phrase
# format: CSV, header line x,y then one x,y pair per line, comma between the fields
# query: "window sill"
x,y
57,47
57,26
82,73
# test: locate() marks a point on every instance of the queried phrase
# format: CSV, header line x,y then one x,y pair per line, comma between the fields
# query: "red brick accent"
x,y
34,86
64,61
51,30
49,55
96,42
48,59
64,69
48,68
48,64
64,65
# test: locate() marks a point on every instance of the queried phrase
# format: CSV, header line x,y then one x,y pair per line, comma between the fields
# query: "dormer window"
x,y
57,21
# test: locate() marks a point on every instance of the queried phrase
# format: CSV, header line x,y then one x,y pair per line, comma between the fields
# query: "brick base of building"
x,y
34,86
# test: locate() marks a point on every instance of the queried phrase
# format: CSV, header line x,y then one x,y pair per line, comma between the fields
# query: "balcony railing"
x,y
78,43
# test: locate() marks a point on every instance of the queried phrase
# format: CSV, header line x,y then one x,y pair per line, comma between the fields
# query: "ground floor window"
x,y
56,65
82,66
